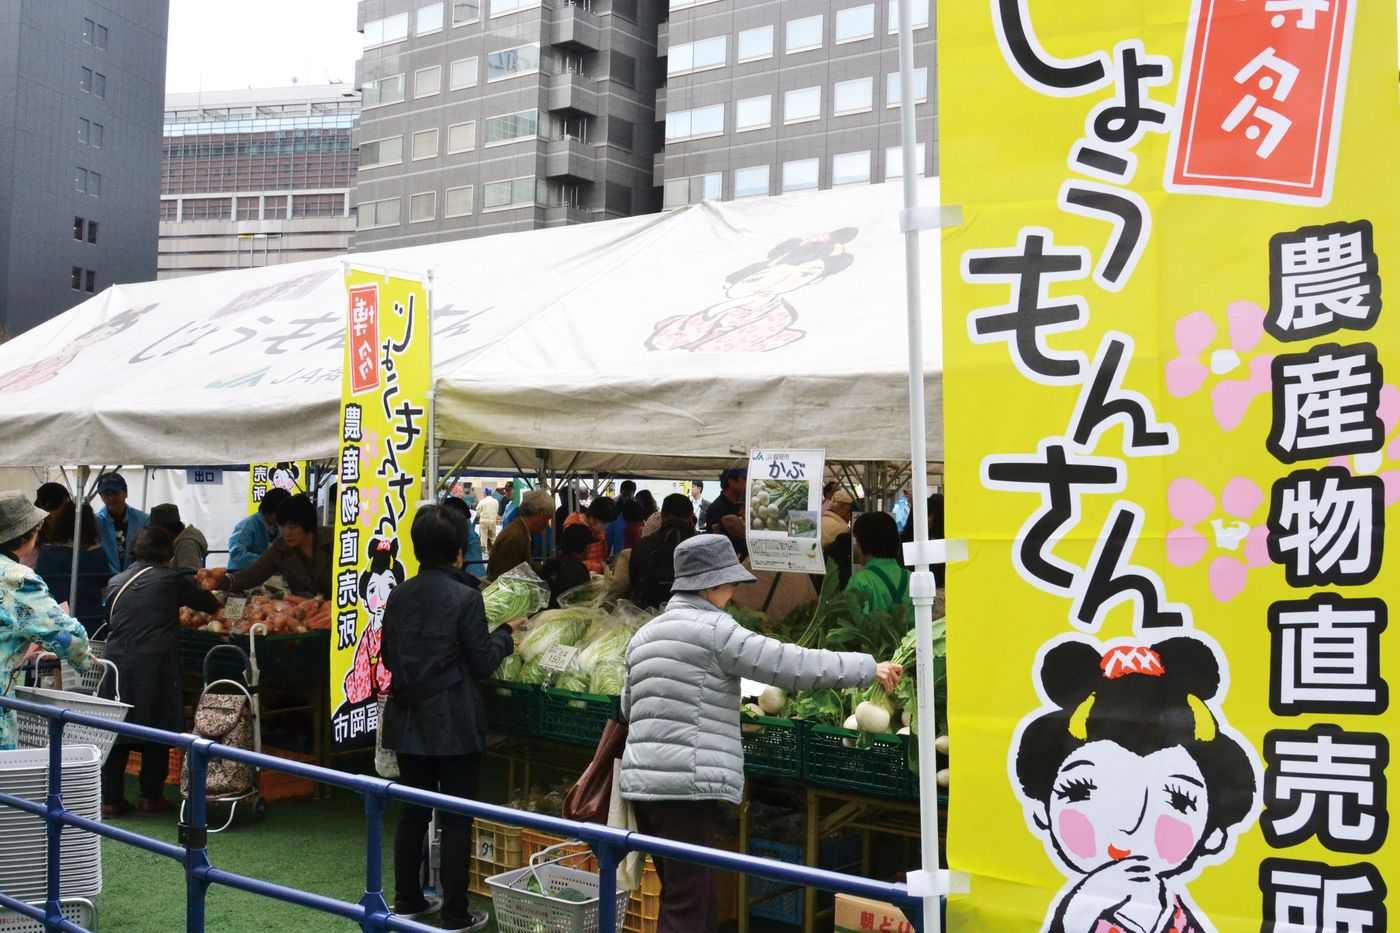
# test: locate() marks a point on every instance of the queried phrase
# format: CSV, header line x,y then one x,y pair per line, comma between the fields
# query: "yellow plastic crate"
x,y
496,848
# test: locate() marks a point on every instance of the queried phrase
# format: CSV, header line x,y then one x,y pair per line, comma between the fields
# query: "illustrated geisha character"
x,y
367,676
285,476
1131,779
42,371
756,316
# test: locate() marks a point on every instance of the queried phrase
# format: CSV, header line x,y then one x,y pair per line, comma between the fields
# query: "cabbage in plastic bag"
x,y
514,595
607,678
574,680
510,668
606,642
533,673
556,627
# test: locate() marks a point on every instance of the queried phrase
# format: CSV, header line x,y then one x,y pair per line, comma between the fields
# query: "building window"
x,y
84,130
756,44
854,96
76,279
275,207
422,207
461,137
79,228
244,209
921,17
169,209
682,4
89,281
502,195
512,127
89,27
751,182
427,81
97,134
384,31
80,180
85,81
381,152
429,19
753,113
801,174
695,124
675,193
92,232
95,184
459,202
207,209
318,205
100,37
894,161
425,144
855,23
502,7
382,92
802,105
378,214
465,11
850,168
509,63
698,56
804,34
681,191
893,93
463,73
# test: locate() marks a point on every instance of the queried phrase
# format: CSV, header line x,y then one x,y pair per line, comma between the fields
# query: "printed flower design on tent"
x,y
1187,374
1371,464
1240,546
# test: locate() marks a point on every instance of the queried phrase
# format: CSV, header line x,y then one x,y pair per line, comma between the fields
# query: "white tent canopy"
x,y
640,343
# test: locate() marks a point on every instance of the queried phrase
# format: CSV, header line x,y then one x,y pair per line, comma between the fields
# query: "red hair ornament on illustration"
x,y
756,316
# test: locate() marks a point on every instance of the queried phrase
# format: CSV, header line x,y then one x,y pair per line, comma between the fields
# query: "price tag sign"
x,y
486,849
233,609
558,658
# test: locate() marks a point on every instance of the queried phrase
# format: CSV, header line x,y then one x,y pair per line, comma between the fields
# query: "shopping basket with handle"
x,y
34,729
564,899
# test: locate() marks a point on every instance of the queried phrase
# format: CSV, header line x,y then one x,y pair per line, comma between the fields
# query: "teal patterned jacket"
x,y
29,615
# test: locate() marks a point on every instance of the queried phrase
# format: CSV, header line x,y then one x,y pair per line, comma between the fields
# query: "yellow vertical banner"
x,y
291,475
383,430
1173,439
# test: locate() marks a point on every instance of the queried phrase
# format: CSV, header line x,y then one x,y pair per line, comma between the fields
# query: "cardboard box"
x,y
860,915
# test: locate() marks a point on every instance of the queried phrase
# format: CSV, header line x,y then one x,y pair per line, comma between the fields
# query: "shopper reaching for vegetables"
x,y
303,555
684,755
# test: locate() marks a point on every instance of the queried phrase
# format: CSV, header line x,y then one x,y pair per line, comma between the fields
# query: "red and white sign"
x,y
363,328
1262,94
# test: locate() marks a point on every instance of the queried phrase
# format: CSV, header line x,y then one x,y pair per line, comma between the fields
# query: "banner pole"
x,y
430,488
922,587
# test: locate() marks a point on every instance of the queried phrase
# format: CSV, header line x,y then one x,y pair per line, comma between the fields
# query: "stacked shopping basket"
x,y
24,773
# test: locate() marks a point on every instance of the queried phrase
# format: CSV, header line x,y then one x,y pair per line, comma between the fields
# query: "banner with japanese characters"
x,y
291,475
1173,446
783,510
383,431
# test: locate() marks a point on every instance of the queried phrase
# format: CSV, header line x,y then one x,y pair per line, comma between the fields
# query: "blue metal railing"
x,y
610,844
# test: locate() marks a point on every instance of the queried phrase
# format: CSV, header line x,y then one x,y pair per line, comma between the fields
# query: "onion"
x,y
872,718
772,700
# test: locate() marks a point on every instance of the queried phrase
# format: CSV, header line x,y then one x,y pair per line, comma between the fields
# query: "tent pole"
x,y
77,540
922,586
431,462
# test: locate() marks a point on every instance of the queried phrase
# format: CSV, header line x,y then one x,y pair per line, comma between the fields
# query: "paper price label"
x,y
486,849
233,609
558,658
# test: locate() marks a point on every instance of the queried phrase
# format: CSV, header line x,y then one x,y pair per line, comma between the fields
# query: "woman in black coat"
x,y
143,642
437,647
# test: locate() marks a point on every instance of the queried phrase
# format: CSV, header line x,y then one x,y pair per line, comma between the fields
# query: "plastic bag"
x,y
515,594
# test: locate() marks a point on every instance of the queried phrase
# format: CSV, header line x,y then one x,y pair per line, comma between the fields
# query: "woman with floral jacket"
x,y
30,619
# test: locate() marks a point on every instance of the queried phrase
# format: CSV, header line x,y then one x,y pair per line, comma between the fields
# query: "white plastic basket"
x,y
34,729
77,910
519,910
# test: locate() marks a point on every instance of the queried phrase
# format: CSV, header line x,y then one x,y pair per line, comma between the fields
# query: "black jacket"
x,y
652,568
437,648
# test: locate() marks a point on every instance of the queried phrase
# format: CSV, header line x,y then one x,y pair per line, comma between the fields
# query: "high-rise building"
x,y
81,87
256,177
486,116
763,97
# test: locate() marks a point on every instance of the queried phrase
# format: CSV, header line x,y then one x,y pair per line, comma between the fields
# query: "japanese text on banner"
x,y
784,510
1173,434
380,474
293,476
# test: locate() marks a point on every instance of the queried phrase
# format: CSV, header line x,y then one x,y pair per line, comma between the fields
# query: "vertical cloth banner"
x,y
1173,434
383,430
293,476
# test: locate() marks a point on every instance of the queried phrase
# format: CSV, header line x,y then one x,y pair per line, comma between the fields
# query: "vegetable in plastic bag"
x,y
556,627
514,595
510,669
608,678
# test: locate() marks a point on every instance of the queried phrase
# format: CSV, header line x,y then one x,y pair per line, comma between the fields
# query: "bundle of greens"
x,y
516,594
555,627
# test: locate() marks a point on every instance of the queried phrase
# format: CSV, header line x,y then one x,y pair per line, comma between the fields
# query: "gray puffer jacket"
x,y
682,698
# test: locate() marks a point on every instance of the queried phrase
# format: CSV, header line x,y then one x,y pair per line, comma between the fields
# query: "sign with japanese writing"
x,y
383,430
204,477
1173,432
291,475
783,511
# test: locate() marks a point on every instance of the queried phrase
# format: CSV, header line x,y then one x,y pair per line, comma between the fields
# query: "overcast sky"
x,y
260,43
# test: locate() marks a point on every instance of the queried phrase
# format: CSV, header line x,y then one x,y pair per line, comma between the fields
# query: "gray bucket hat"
x,y
18,516
706,561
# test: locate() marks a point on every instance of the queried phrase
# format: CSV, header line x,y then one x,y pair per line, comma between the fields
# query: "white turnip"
x,y
871,717
772,700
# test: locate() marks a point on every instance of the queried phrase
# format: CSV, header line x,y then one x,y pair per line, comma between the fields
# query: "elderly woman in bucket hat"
x,y
29,616
684,757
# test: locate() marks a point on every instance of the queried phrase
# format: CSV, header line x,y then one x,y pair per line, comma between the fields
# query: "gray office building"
x,y
82,85
764,97
488,116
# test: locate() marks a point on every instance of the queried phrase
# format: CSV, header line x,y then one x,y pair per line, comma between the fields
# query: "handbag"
x,y
588,800
227,719
386,760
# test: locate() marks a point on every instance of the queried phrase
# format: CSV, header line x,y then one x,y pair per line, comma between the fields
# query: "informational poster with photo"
x,y
783,511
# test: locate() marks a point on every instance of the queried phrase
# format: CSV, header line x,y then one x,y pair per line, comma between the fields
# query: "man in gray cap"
x,y
191,547
117,524
684,757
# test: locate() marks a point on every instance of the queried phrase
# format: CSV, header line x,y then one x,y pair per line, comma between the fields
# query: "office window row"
x,y
681,191
93,82
461,74
430,18
508,194
86,182
94,34
424,144
847,168
84,230
804,34
90,133
83,280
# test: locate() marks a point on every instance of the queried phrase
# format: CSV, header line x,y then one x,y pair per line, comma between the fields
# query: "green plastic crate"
x,y
278,655
882,768
513,708
576,718
772,747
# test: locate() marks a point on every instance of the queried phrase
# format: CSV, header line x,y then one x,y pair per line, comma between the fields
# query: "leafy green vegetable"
x,y
510,669
606,641
514,595
533,673
573,895
557,627
608,678
574,680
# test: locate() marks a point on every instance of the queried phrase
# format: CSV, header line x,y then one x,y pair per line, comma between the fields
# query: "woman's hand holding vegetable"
x,y
887,675
517,624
